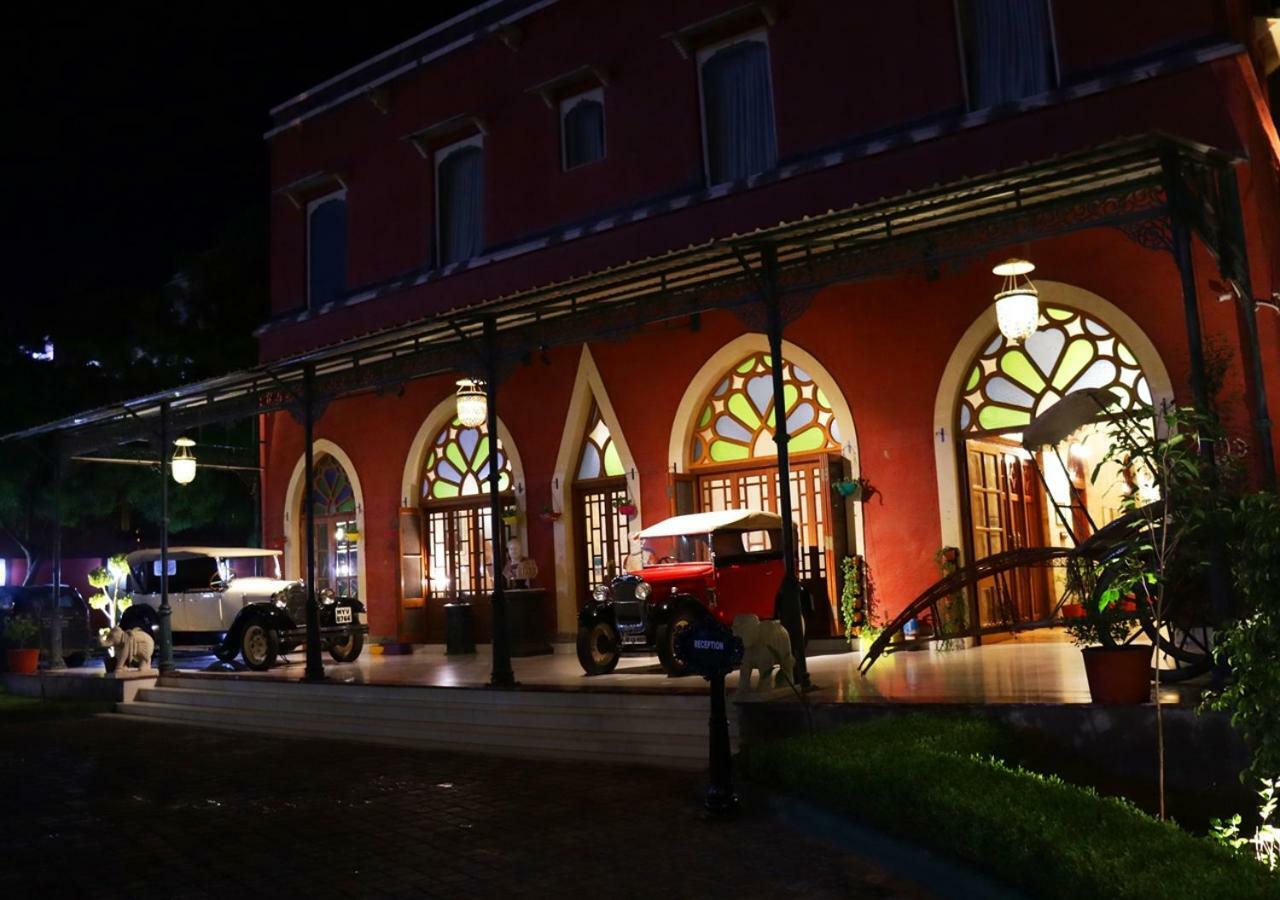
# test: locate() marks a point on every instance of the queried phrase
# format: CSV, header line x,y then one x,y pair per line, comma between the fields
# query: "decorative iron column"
x,y
790,593
55,592
315,666
166,612
1220,602
502,675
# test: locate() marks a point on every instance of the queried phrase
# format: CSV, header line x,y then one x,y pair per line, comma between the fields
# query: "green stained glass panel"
x,y
1019,367
612,462
1079,353
810,439
724,451
993,418
741,408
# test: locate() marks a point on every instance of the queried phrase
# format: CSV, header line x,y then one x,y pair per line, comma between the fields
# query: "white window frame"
x,y
700,58
476,140
312,206
597,94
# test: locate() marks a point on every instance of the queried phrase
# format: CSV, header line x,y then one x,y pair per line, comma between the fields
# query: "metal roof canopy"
x,y
1116,184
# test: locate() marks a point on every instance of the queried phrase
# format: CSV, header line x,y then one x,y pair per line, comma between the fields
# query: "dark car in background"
x,y
77,636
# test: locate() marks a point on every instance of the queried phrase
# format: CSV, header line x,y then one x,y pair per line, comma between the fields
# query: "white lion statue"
x,y
765,645
132,648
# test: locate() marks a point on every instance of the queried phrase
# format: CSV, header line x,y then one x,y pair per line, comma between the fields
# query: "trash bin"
x,y
459,629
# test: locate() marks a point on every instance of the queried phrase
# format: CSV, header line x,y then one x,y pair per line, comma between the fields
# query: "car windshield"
x,y
722,546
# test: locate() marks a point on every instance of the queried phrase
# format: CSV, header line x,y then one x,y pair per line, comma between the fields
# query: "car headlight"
x,y
601,593
643,590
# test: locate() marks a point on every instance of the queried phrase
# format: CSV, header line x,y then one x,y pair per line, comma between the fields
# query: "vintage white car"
x,y
234,599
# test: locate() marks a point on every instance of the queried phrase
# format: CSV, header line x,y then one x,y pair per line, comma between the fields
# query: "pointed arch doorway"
x,y
602,519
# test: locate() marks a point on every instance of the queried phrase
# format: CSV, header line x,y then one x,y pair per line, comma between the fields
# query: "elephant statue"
x,y
132,648
765,645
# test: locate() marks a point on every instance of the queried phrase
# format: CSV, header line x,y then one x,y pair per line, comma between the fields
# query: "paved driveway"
x,y
105,808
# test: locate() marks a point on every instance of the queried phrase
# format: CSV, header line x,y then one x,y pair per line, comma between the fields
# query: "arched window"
x,y
333,508
736,421
1010,384
582,128
599,489
327,248
732,457
455,501
460,201
737,110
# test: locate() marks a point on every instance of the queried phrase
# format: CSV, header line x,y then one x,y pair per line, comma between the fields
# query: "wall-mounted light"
x,y
183,462
1017,303
473,405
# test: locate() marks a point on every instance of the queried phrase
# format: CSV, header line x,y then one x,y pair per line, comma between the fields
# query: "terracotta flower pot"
x,y
23,662
628,509
1118,675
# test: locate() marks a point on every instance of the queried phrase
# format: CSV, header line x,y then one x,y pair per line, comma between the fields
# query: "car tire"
x,y
348,650
74,660
598,648
665,639
258,645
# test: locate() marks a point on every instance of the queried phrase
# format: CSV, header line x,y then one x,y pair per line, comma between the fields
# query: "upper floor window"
x,y
737,109
1008,49
582,129
327,248
460,201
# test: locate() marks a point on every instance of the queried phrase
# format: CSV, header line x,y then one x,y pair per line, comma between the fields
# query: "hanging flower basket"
x,y
511,516
859,490
627,507
548,514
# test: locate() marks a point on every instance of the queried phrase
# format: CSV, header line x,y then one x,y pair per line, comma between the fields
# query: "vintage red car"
x,y
718,564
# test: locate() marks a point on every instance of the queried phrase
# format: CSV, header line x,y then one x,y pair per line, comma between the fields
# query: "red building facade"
x,y
529,143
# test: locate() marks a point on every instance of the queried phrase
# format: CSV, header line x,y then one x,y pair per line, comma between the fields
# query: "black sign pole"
x,y
56,661
721,799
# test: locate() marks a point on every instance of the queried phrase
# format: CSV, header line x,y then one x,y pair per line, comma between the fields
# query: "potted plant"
x,y
1118,673
627,507
510,516
859,490
548,514
20,635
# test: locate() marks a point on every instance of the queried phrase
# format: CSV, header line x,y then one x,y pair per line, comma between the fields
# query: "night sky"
x,y
135,134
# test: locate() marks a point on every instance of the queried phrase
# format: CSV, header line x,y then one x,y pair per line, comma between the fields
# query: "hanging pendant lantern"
x,y
183,462
473,405
1017,303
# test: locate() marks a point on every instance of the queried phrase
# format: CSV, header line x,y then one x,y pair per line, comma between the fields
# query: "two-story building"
x,y
646,168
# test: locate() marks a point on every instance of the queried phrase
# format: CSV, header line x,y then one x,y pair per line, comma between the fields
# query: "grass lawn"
x,y
30,709
944,783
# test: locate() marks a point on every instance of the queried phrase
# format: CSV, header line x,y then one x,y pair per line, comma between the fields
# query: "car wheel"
x,y
598,650
347,650
258,645
665,638
74,660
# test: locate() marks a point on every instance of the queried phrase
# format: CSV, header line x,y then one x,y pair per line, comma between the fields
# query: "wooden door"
x,y
1006,512
603,533
413,589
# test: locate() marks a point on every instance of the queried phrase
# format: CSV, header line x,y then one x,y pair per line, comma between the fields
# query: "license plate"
x,y
342,615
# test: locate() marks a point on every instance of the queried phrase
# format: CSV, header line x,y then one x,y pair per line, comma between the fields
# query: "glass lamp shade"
x,y
473,406
1018,314
183,462
1017,303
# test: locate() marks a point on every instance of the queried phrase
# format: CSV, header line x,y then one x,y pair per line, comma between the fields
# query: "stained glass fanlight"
x,y
331,492
735,422
458,464
600,457
1011,383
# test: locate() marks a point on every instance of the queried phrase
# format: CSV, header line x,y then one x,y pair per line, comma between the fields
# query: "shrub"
x,y
943,783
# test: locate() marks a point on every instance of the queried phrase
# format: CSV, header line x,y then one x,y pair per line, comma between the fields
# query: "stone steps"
x,y
667,730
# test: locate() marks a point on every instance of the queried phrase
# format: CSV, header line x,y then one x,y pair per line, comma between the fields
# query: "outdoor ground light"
x,y
473,406
1017,303
183,463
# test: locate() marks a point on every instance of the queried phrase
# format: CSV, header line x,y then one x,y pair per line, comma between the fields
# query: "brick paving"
x,y
99,807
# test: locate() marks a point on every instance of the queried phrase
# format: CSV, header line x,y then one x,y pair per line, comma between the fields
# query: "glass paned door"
x,y
605,533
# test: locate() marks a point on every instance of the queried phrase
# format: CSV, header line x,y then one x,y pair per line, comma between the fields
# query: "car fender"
x,y
274,616
596,612
664,608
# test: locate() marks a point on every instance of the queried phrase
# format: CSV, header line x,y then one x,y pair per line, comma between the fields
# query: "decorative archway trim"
x,y
588,387
709,375
294,541
978,335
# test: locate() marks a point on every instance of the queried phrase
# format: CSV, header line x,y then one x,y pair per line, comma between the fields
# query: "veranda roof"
x,y
1116,184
